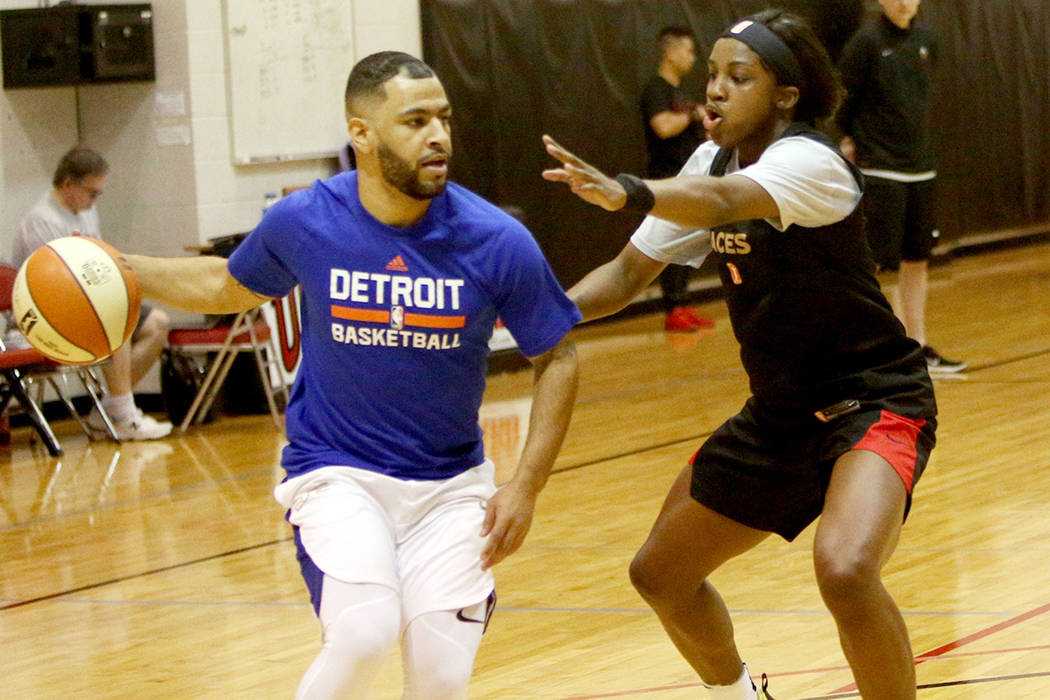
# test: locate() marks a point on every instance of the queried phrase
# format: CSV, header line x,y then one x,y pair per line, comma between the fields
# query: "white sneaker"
x,y
139,426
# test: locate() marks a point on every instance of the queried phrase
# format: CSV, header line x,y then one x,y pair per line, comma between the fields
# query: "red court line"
x,y
980,634
823,669
1008,650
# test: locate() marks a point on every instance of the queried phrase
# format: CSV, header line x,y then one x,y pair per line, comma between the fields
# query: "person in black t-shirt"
x,y
887,70
673,130
842,417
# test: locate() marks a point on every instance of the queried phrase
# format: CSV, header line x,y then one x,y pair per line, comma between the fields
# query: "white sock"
x,y
741,689
119,407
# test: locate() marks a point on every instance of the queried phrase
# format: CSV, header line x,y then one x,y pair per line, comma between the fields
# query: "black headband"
x,y
770,48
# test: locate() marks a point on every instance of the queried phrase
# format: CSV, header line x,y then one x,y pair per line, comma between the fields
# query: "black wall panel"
x,y
517,69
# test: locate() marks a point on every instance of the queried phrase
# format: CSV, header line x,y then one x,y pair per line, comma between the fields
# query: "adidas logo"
x,y
397,264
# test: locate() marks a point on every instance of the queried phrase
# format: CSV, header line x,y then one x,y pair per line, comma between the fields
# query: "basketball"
x,y
76,300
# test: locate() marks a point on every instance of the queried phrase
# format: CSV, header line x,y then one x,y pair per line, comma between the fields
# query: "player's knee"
x,y
845,577
648,578
159,320
155,327
442,679
355,639
439,653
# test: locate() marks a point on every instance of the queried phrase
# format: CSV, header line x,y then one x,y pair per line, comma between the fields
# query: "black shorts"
x,y
769,468
900,220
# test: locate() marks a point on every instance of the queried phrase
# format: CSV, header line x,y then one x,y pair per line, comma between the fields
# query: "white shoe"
x,y
139,426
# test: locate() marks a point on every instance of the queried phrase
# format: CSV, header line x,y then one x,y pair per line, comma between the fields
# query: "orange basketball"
x,y
76,300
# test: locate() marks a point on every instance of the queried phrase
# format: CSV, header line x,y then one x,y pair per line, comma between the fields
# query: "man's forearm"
x,y
201,284
554,394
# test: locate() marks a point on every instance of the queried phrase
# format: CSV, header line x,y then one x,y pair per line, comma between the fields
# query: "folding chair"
x,y
14,366
19,367
247,332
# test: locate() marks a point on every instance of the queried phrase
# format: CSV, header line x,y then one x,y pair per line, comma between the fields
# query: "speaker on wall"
x,y
77,44
117,42
40,47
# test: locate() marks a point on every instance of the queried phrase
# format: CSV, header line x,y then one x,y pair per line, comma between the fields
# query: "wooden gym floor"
x,y
166,570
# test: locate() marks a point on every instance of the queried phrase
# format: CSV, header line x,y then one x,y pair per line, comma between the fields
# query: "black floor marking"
x,y
1006,361
640,450
944,684
141,574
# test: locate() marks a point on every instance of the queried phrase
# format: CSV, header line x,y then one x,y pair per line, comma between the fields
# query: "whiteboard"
x,y
288,63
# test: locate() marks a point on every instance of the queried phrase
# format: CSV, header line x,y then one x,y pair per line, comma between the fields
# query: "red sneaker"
x,y
679,319
700,321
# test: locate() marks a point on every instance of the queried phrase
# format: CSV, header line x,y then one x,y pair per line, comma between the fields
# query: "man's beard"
x,y
405,177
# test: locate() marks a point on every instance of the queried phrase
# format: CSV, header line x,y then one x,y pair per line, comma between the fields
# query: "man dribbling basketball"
x,y
396,516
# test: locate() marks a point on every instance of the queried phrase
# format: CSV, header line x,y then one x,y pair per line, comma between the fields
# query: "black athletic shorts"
x,y
900,220
769,467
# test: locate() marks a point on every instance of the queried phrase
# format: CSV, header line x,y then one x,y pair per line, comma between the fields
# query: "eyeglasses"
x,y
92,192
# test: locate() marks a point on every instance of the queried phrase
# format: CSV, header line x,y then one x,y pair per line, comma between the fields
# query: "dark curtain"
x,y
992,113
574,69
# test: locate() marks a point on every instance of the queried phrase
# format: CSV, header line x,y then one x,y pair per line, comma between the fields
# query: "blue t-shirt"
x,y
396,323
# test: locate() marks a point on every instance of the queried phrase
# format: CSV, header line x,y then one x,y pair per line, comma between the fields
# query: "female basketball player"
x,y
841,421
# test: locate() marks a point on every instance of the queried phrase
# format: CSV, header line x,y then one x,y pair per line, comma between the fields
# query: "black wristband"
x,y
640,198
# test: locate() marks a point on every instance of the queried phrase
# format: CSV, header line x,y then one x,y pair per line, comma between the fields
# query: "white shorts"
x,y
419,538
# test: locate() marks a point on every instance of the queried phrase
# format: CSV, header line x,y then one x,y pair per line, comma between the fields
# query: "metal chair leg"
x,y
18,389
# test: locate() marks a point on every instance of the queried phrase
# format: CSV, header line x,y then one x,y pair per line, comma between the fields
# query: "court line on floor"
x,y
1006,361
182,603
632,453
945,684
843,667
951,646
980,634
141,574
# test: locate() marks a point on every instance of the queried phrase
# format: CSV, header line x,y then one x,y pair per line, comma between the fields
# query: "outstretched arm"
x,y
607,289
202,284
508,515
697,201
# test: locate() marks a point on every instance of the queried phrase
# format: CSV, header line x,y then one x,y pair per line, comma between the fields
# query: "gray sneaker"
x,y
936,363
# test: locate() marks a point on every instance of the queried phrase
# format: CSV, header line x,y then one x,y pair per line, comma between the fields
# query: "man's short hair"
x,y
371,73
669,35
78,163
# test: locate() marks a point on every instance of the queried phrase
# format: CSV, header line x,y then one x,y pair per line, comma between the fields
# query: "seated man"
x,y
69,209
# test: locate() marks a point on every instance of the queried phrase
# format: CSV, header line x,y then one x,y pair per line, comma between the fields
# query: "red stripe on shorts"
x,y
893,438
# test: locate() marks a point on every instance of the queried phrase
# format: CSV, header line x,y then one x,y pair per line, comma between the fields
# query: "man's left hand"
x,y
508,517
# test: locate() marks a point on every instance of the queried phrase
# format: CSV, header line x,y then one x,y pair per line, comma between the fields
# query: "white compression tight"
x,y
438,653
360,623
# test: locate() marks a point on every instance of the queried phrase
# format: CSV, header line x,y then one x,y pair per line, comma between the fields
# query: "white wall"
x,y
230,197
163,195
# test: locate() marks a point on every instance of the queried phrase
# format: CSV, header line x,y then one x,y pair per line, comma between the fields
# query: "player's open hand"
x,y
585,180
508,517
